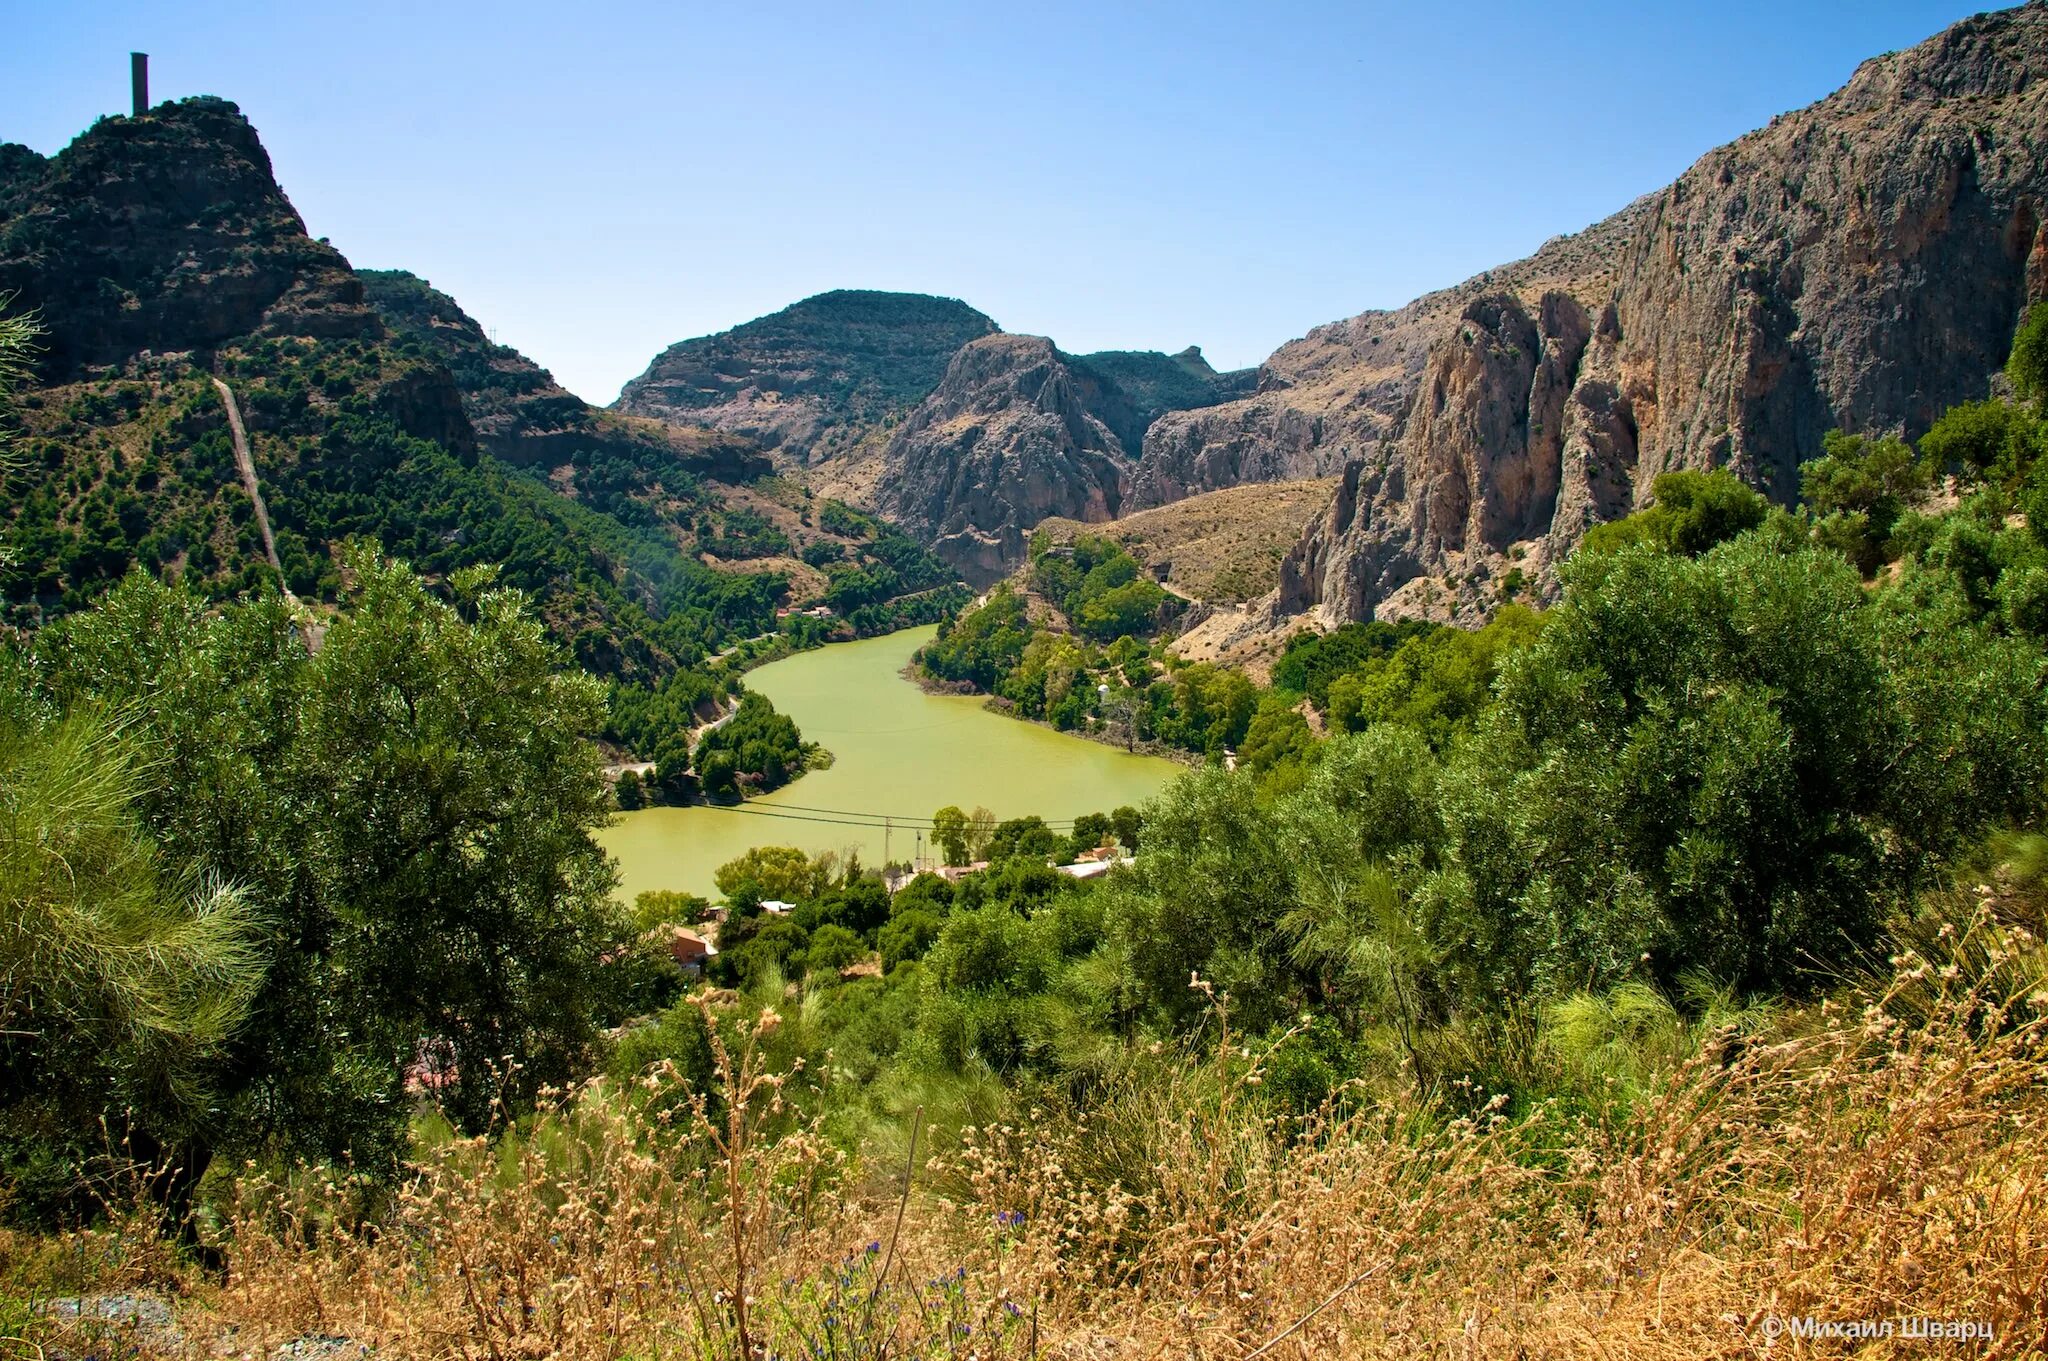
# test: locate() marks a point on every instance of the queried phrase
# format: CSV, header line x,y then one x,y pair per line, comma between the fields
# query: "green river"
x,y
898,751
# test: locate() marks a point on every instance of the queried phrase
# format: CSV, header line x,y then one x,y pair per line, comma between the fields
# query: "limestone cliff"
x,y
1342,392
1858,264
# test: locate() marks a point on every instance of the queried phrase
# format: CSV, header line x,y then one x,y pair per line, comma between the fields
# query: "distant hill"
x,y
1219,547
1157,383
922,409
810,380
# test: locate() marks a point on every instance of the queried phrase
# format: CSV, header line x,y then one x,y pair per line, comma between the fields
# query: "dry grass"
x,y
1220,546
1878,1156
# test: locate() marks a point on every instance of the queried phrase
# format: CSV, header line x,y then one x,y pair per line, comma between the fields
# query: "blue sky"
x,y
594,181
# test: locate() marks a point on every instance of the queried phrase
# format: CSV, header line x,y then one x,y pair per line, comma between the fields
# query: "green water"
x,y
898,751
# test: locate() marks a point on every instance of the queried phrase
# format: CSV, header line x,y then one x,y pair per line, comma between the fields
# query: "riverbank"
x,y
996,704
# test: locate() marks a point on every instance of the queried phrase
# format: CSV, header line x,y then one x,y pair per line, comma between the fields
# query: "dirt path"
x,y
248,466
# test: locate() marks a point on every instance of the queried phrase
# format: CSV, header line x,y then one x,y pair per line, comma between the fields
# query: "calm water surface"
x,y
899,751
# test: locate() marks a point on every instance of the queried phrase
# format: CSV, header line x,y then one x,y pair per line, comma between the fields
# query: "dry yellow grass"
x,y
1877,1157
1221,546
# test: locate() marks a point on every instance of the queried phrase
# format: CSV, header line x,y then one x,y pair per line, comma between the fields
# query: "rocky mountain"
x,y
165,233
518,410
1015,432
1343,391
160,255
810,381
1859,264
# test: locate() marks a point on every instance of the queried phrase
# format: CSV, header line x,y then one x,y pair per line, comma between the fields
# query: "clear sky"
x,y
594,181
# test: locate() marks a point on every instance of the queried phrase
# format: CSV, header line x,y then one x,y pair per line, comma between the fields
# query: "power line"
x,y
843,817
887,817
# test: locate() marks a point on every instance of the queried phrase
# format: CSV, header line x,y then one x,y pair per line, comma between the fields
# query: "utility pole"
x,y
138,81
887,827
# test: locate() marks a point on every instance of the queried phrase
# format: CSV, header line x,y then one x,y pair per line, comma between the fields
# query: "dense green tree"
x,y
755,749
1126,610
1089,831
981,645
1128,823
907,936
409,807
1859,488
925,893
1277,743
1692,511
1724,765
1311,662
949,834
1991,438
2027,366
126,975
779,872
1437,683
833,947
1026,837
663,907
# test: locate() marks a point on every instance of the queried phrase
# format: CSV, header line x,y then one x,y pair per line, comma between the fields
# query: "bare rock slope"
x,y
1014,433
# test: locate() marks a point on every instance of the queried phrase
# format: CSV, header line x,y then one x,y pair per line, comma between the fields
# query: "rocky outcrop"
x,y
811,381
522,415
1014,433
165,232
1342,392
1858,264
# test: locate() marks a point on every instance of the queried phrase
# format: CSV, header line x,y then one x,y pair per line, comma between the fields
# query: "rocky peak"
x,y
1155,384
165,231
1015,432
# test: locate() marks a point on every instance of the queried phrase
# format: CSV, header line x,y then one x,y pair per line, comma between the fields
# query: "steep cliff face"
x,y
1858,264
1014,433
1343,392
812,380
165,232
518,410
